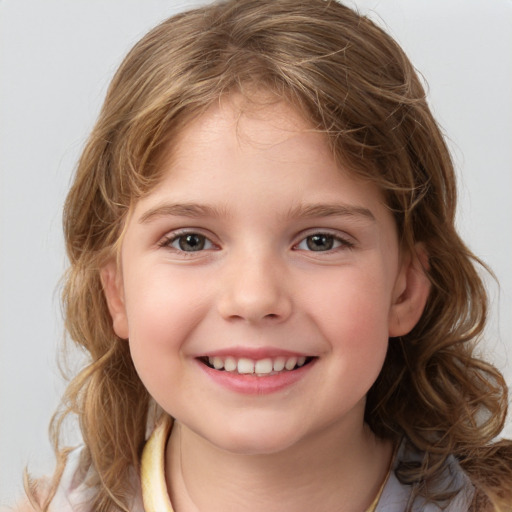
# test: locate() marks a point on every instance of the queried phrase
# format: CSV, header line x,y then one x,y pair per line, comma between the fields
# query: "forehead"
x,y
262,122
239,149
247,141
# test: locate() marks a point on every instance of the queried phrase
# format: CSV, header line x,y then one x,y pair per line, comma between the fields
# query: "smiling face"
x,y
259,283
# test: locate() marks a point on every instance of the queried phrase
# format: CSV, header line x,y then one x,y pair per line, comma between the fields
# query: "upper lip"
x,y
253,353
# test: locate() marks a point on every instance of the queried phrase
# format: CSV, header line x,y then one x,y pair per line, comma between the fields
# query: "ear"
x,y
410,294
112,281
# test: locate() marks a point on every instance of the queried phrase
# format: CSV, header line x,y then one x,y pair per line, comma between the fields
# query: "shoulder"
x,y
398,496
75,492
71,495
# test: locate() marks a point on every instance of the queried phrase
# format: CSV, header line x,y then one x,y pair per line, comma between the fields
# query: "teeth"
x,y
279,363
290,363
218,363
265,366
230,364
245,365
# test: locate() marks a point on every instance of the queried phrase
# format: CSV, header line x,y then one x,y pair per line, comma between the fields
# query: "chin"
x,y
257,439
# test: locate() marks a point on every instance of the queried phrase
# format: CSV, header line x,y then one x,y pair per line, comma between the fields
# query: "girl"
x,y
262,247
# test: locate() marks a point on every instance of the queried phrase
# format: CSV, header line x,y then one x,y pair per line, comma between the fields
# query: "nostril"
x,y
253,304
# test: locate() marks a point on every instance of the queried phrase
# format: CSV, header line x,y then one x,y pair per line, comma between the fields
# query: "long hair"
x,y
351,81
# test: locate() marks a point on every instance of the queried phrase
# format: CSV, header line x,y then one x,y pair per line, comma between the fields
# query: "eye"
x,y
188,242
321,242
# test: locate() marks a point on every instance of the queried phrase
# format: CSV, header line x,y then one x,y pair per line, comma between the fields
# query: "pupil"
x,y
191,243
320,242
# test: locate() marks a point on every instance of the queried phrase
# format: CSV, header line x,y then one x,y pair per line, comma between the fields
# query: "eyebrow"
x,y
330,210
193,210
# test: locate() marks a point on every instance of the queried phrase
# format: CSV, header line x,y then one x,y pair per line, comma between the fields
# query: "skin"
x,y
263,185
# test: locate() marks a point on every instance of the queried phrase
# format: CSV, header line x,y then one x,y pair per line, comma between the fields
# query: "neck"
x,y
310,475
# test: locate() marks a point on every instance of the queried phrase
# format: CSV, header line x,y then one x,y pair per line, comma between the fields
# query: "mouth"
x,y
260,367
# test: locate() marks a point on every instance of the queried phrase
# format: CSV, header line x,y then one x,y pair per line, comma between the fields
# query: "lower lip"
x,y
253,385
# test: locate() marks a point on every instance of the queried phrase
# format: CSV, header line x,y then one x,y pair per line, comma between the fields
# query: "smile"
x,y
260,367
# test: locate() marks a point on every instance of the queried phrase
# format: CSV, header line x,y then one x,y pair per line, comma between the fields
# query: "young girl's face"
x,y
259,283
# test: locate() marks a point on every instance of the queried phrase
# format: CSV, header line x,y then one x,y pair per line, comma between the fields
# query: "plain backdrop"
x,y
56,59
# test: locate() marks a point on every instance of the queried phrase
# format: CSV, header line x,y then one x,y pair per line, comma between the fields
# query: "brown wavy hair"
x,y
353,82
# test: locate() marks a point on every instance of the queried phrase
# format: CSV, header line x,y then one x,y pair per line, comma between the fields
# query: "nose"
x,y
254,288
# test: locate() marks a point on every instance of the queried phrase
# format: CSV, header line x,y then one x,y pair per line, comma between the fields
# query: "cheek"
x,y
162,312
352,309
356,303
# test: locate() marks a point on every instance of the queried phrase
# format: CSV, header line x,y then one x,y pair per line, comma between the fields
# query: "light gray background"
x,y
56,59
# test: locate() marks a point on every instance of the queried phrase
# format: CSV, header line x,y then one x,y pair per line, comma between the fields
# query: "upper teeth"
x,y
259,367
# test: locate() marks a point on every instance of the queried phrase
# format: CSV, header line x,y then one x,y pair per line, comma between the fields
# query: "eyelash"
x,y
169,240
339,243
342,242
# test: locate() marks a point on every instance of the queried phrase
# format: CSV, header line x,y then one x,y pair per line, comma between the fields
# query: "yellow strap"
x,y
375,502
154,487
